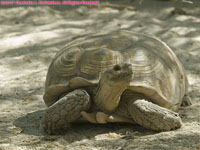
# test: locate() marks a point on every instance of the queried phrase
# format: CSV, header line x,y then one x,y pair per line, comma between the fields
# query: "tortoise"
x,y
118,76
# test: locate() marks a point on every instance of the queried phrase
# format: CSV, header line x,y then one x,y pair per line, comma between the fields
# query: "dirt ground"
x,y
30,37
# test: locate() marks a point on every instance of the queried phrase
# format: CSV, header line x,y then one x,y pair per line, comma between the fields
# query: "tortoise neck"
x,y
108,94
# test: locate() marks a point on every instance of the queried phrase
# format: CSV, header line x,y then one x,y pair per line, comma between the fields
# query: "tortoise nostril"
x,y
117,67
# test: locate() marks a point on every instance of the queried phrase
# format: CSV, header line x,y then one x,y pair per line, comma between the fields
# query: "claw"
x,y
91,117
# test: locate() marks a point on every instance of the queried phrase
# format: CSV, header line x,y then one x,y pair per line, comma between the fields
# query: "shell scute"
x,y
66,64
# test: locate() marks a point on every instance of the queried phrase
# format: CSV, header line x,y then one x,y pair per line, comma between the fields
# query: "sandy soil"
x,y
30,37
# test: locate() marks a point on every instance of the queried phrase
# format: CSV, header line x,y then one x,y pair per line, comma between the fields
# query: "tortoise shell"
x,y
158,74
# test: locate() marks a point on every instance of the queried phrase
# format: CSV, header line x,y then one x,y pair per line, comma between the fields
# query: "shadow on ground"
x,y
29,124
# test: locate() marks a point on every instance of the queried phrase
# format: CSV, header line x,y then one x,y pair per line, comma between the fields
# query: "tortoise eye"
x,y
117,67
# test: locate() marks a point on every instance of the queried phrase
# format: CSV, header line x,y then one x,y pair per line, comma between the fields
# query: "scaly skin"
x,y
152,116
64,111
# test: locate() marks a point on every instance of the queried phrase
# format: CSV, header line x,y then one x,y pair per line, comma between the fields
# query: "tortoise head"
x,y
119,74
112,84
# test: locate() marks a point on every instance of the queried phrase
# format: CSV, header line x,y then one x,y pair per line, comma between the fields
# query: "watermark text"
x,y
49,2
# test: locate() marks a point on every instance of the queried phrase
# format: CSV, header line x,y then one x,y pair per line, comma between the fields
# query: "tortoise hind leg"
x,y
101,117
66,110
186,101
152,116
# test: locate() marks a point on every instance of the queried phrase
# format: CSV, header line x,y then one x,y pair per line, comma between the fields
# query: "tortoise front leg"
x,y
152,116
66,110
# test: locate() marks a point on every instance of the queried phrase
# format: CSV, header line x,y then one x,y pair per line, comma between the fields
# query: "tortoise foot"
x,y
154,117
101,117
66,110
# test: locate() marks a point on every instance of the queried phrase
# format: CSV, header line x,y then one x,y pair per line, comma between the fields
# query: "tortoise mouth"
x,y
123,76
121,72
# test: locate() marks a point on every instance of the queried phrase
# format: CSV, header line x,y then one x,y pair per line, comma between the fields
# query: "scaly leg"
x,y
66,110
153,117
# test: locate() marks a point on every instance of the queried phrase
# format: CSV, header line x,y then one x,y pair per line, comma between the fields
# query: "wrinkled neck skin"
x,y
108,93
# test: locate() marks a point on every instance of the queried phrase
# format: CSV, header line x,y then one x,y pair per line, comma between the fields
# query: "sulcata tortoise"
x,y
119,76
